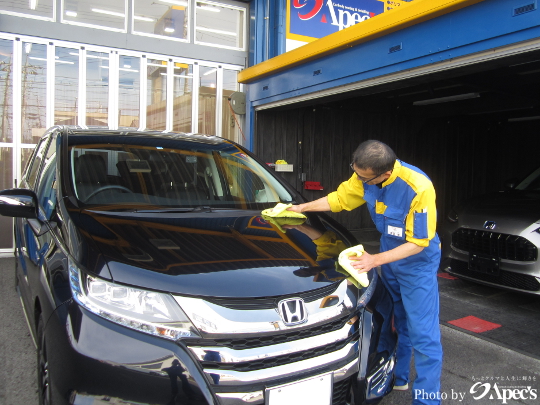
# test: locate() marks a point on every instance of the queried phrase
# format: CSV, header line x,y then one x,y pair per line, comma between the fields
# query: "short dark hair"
x,y
374,155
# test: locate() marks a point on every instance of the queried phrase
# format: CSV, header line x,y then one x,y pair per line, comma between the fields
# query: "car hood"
x,y
223,253
512,211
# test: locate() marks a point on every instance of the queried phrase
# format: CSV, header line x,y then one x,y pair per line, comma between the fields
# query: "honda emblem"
x,y
293,311
490,225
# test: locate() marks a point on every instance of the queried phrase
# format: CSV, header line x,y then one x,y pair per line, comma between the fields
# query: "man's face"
x,y
368,176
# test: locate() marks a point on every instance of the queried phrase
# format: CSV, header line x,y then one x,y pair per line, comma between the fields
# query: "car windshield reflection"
x,y
128,173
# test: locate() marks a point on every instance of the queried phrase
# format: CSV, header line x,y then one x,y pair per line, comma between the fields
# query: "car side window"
x,y
35,163
46,186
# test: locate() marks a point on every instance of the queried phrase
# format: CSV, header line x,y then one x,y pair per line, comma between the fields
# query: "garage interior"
x,y
470,129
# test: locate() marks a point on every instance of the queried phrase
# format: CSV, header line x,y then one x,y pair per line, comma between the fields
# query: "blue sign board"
x,y
312,19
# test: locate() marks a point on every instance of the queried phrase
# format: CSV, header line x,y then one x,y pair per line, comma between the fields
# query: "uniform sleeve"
x,y
348,196
328,246
421,221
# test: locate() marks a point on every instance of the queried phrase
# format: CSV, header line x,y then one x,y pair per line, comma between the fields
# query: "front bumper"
x,y
94,361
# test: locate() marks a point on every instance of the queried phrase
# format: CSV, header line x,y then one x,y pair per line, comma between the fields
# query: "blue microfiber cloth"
x,y
279,215
345,263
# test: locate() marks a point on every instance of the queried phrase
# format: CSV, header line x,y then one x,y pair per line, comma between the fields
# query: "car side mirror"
x,y
18,202
510,184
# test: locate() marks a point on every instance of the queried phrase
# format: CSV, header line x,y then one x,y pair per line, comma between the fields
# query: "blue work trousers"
x,y
415,292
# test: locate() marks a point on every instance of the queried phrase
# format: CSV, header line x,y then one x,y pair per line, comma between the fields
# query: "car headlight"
x,y
146,311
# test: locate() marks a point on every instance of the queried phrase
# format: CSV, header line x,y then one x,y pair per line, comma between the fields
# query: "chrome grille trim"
x,y
243,398
215,321
502,245
228,355
236,378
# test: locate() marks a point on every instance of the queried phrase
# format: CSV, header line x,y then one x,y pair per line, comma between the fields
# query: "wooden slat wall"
x,y
463,156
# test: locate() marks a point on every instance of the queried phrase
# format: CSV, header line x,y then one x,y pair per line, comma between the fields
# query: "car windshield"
x,y
531,182
123,172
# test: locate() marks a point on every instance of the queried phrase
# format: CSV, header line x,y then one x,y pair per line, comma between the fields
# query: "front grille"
x,y
501,245
273,339
243,304
341,392
505,278
281,360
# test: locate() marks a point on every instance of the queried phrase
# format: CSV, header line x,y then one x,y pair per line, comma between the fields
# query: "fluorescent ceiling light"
x,y
176,2
127,66
33,4
169,29
64,61
210,72
71,13
113,13
533,118
447,99
208,8
216,31
128,70
141,18
36,58
498,111
528,72
156,64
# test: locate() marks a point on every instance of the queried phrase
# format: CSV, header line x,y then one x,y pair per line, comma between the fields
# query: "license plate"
x,y
484,264
312,391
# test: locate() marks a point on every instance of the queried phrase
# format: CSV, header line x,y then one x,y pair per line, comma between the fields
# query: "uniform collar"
x,y
394,175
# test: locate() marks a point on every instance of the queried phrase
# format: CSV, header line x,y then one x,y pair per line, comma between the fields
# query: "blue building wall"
x,y
484,26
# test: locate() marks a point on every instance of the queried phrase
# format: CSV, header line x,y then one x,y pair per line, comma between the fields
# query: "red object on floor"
x,y
447,276
474,324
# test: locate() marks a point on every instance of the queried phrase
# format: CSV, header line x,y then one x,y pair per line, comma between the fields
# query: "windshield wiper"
x,y
201,208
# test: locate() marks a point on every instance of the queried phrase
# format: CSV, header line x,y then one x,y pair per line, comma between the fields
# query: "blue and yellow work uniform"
x,y
403,209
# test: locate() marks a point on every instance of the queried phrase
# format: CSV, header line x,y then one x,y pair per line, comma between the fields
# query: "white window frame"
x,y
243,22
35,17
96,26
190,6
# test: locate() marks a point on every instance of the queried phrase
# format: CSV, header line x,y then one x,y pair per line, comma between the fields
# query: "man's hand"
x,y
366,262
296,208
320,205
363,263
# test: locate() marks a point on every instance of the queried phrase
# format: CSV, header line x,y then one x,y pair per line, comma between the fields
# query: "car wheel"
x,y
43,376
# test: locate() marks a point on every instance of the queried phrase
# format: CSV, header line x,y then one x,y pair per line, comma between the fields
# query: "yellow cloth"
x,y
345,263
279,215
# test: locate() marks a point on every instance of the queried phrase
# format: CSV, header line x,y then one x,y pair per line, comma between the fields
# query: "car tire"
x,y
43,376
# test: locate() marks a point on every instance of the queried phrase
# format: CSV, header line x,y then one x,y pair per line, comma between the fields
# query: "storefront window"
x,y
34,92
229,124
207,100
156,111
104,14
66,86
129,93
219,25
97,88
6,90
183,88
6,181
41,9
164,18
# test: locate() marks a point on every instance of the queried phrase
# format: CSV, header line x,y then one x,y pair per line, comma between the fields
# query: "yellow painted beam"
x,y
414,13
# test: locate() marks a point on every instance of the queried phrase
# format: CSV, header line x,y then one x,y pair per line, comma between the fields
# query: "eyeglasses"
x,y
361,178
